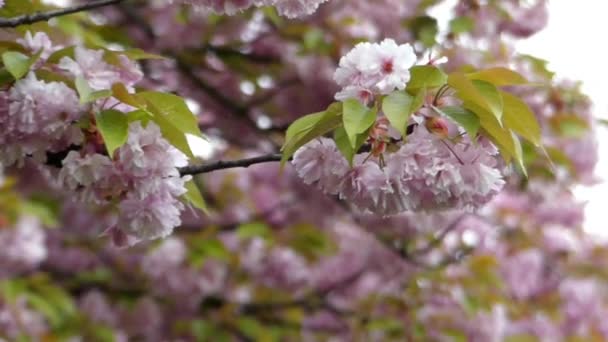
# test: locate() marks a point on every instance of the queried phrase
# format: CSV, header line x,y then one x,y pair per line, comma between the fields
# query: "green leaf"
x,y
194,196
310,127
114,128
254,229
56,56
138,54
173,108
500,135
46,213
121,92
519,154
344,146
462,116
210,248
520,118
498,77
569,125
398,108
425,76
310,242
87,94
425,30
460,25
478,93
173,135
18,64
43,306
357,118
5,77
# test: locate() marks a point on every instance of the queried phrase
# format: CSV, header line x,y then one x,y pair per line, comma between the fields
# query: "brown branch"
x,y
44,16
228,164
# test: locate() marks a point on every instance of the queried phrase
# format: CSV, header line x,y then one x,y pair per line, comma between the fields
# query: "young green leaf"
x,y
87,94
461,25
357,118
478,93
114,128
344,146
310,127
496,132
462,116
520,118
194,196
18,64
519,154
398,107
173,108
425,76
121,92
174,136
498,76
56,56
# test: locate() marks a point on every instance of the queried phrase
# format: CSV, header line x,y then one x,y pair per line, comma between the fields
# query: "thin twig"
x,y
228,164
44,16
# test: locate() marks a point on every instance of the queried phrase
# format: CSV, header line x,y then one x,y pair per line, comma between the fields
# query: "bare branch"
x,y
228,164
44,16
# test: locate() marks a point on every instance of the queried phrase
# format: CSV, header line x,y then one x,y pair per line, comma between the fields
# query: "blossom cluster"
x,y
432,170
424,174
143,177
38,118
287,8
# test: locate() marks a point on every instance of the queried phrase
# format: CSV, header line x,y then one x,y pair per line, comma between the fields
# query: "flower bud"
x,y
437,126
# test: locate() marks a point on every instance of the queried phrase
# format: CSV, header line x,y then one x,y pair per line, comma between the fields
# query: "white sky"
x,y
575,44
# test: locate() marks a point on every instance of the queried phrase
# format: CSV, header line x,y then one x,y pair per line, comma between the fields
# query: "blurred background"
x,y
581,24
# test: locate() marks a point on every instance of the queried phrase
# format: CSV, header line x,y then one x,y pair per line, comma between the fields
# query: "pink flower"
x,y
90,65
39,116
320,162
39,42
23,247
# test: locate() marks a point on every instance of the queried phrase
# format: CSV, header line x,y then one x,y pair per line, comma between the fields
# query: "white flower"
x,y
377,68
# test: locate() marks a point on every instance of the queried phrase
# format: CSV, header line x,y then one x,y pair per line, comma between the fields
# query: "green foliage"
x,y
498,76
462,116
357,119
425,77
254,229
477,93
44,208
461,25
87,94
344,146
114,128
398,108
310,242
425,30
520,118
204,247
194,196
501,115
18,64
569,125
310,127
168,111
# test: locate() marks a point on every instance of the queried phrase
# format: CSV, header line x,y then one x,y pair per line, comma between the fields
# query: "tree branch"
x,y
228,164
44,16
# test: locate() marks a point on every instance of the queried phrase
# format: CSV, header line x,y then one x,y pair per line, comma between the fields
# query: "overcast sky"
x,y
575,44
